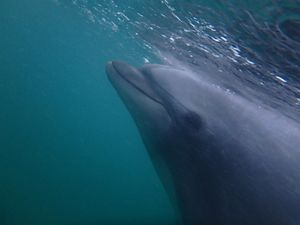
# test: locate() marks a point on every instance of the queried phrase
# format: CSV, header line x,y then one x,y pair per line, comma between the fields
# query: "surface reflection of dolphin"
x,y
226,160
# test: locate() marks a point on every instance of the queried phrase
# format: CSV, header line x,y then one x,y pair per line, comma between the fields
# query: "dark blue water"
x,y
69,151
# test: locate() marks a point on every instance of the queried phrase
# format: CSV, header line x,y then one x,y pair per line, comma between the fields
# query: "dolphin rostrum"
x,y
223,159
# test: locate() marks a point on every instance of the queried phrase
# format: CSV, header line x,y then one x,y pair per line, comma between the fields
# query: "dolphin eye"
x,y
193,121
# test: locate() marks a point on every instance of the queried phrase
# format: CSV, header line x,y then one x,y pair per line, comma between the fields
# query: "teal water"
x,y
69,151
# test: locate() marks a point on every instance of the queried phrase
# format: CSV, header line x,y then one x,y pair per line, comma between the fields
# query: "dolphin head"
x,y
169,113
158,97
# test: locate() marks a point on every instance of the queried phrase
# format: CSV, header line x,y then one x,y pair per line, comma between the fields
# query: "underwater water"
x,y
69,151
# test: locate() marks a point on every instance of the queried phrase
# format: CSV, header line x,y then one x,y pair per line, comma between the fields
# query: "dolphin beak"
x,y
119,71
109,69
124,71
121,68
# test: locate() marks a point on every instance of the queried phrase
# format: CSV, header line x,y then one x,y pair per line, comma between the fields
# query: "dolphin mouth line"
x,y
134,85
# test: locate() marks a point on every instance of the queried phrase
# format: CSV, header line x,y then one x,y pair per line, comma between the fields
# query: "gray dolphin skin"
x,y
223,159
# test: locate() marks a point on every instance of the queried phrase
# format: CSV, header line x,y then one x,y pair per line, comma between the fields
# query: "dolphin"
x,y
223,159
